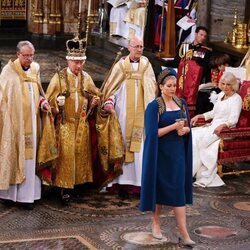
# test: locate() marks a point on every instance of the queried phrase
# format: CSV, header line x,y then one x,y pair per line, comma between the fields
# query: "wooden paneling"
x,y
13,9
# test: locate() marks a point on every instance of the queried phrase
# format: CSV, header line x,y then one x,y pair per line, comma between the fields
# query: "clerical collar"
x,y
25,68
198,45
132,61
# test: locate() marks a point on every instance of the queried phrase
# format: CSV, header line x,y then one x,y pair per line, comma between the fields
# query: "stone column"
x,y
203,13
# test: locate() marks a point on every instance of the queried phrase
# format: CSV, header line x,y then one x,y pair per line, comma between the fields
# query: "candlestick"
x,y
80,6
89,7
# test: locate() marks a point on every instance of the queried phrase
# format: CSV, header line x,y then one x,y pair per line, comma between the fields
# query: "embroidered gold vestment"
x,y
74,163
144,78
15,114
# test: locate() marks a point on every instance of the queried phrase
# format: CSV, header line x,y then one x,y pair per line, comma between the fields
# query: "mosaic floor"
x,y
219,219
49,59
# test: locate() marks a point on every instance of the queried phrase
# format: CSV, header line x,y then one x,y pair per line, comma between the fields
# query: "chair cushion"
x,y
244,120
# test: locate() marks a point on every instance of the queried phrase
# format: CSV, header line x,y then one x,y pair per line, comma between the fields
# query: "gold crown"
x,y
76,49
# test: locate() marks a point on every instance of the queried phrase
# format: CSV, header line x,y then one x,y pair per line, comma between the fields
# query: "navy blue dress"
x,y
170,180
167,162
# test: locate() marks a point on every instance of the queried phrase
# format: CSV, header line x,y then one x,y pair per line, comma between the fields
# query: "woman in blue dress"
x,y
167,157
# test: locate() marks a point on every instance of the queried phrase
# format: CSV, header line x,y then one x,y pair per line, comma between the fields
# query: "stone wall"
x,y
218,16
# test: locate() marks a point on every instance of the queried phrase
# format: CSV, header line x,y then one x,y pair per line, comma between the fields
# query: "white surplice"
x,y
206,143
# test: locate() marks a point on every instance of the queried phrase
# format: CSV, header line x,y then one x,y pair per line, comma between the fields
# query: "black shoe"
x,y
123,194
65,199
8,203
74,194
28,206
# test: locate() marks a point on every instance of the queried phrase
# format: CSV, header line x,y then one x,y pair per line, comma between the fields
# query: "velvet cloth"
x,y
188,87
167,162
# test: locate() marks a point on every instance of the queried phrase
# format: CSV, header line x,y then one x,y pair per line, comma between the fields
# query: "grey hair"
x,y
24,43
230,78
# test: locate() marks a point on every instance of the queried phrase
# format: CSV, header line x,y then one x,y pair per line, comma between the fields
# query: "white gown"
x,y
206,143
30,189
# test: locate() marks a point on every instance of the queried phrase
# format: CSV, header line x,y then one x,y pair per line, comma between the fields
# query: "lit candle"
x,y
89,7
80,6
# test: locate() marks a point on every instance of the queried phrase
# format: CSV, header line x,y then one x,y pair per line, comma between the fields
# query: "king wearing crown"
x,y
73,97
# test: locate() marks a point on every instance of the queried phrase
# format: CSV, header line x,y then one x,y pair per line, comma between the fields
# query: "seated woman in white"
x,y
225,114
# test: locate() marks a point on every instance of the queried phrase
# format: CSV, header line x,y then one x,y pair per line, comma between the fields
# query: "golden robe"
x,y
15,124
144,79
74,164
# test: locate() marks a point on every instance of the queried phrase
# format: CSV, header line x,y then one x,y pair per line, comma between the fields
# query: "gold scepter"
x,y
118,56
61,108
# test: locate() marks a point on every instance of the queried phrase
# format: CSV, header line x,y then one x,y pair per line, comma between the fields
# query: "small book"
x,y
186,22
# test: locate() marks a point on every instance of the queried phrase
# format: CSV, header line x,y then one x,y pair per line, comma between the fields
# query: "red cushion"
x,y
244,120
243,89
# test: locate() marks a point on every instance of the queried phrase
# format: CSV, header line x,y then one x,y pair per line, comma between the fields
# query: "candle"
x,y
89,7
80,6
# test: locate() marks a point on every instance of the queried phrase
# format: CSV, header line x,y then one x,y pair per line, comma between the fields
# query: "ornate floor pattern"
x,y
48,59
219,219
49,243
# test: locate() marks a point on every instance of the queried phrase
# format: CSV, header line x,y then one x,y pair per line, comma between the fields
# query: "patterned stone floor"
x,y
219,219
49,59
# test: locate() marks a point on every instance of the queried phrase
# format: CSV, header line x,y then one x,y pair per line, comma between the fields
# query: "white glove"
x,y
60,100
213,97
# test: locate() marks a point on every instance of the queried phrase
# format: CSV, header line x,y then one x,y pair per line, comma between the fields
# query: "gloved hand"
x,y
60,100
109,108
45,107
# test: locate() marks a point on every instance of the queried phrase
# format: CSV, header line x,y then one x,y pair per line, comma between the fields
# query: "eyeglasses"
x,y
27,55
137,46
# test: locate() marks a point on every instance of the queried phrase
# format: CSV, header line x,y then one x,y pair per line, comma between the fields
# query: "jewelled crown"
x,y
76,49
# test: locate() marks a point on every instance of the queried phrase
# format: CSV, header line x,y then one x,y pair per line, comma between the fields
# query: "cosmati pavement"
x,y
48,60
219,219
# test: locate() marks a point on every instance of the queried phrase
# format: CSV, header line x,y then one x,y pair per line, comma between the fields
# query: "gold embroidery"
x,y
28,141
161,104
